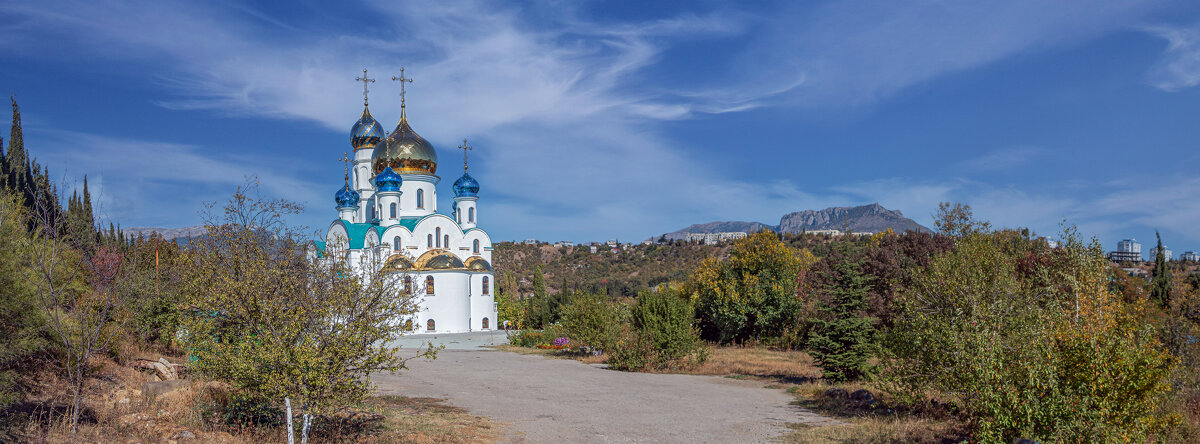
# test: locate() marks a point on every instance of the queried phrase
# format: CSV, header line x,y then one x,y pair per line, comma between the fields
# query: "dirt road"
x,y
556,400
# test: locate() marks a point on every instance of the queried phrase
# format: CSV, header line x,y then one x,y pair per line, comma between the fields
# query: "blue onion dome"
x,y
466,186
404,151
346,197
388,180
366,132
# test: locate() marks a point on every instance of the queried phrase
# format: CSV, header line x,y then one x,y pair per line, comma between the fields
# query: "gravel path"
x,y
557,400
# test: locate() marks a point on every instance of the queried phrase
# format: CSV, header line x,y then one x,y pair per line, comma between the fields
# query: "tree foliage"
x,y
1033,349
844,337
750,295
269,319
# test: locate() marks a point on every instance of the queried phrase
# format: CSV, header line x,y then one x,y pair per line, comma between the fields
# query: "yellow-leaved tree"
x,y
752,294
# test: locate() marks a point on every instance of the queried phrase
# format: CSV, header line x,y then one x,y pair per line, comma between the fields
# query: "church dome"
x,y
466,186
346,197
366,132
404,151
388,180
439,259
476,263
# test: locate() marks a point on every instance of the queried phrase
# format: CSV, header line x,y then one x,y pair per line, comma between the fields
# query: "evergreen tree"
x,y
1160,283
844,341
17,163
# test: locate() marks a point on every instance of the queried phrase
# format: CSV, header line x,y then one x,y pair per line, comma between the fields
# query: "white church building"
x,y
388,217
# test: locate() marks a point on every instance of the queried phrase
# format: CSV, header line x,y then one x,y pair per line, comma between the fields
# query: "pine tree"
x,y
844,341
1160,283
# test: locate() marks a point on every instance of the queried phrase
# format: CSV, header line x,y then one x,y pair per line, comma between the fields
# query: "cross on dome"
x,y
364,81
346,163
465,148
402,81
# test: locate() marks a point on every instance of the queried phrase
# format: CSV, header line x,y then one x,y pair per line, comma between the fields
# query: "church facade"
x,y
388,218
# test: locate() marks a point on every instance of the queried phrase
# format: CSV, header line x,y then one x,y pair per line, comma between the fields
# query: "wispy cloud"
x,y
1179,66
564,112
1001,159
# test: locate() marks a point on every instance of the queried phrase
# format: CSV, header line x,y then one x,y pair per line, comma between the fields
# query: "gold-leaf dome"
x,y
405,152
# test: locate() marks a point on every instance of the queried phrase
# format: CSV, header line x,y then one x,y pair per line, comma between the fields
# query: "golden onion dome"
x,y
397,262
476,263
405,152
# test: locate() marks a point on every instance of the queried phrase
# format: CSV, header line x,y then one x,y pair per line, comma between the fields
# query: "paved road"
x,y
557,400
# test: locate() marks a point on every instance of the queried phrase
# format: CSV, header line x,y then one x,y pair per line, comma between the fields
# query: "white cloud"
x,y
1179,67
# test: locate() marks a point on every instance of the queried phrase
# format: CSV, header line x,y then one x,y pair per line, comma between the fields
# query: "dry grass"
x,y
793,367
118,411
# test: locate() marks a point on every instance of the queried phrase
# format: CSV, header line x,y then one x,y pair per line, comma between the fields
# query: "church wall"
x,y
483,305
449,306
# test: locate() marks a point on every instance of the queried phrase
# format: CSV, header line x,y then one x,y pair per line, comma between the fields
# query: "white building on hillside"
x,y
1154,253
387,214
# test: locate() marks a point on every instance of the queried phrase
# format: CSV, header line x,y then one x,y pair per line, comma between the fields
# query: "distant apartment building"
x,y
564,244
713,238
1165,251
1128,250
1190,256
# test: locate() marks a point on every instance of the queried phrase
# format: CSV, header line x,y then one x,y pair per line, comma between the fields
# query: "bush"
x,y
529,338
592,321
1029,349
663,335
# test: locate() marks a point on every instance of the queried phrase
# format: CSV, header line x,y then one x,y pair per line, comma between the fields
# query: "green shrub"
x,y
1035,349
591,320
530,338
663,335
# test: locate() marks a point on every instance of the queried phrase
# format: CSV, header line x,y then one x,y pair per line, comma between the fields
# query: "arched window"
x,y
371,213
430,325
485,286
408,284
475,246
408,325
446,241
393,206
420,198
438,235
471,214
430,239
429,285
396,243
485,323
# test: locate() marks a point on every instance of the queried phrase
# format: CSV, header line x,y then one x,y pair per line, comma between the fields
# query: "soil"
x,y
559,400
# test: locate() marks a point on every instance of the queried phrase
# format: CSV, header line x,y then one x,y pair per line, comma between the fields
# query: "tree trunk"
x,y
287,404
304,428
77,402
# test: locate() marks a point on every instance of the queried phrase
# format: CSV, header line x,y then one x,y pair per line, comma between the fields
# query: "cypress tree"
x,y
1160,283
17,161
845,339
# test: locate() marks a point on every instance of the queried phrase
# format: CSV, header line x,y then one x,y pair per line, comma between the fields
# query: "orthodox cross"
x,y
346,162
365,81
465,148
402,81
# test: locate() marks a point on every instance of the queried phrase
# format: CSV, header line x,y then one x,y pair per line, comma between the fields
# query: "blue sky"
x,y
599,120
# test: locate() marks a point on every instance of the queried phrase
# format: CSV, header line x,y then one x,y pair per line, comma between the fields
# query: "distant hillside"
x,y
167,233
871,218
719,227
